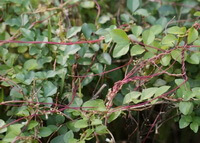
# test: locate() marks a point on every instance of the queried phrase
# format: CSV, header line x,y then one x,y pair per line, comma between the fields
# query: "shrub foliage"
x,y
75,70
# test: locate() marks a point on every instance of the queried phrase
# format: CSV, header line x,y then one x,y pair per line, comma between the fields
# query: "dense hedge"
x,y
99,71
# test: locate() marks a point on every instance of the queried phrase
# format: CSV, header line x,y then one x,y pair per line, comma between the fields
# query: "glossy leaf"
x,y
136,30
49,88
119,36
183,123
88,79
28,33
169,40
73,31
45,132
97,105
87,4
176,30
186,107
194,58
105,58
161,90
2,123
137,50
72,49
194,126
156,29
148,93
142,12
192,35
114,116
165,61
69,135
131,97
81,124
197,13
97,68
120,50
148,37
31,64
96,122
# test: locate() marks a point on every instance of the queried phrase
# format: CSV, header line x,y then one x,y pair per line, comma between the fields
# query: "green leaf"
x,y
88,134
15,93
132,5
96,122
102,129
185,86
22,49
81,124
120,50
194,58
12,132
122,40
176,30
103,19
159,82
87,4
183,123
14,22
156,29
45,132
197,13
196,119
148,55
49,30
186,107
131,97
97,68
176,55
69,135
162,21
105,58
192,35
169,40
49,89
125,17
194,126
113,116
97,105
60,119
196,92
119,36
2,123
88,79
165,61
137,50
84,61
22,111
58,139
73,31
161,90
71,49
88,29
28,33
31,64
148,93
136,30
2,95
142,12
166,10
148,37
32,124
